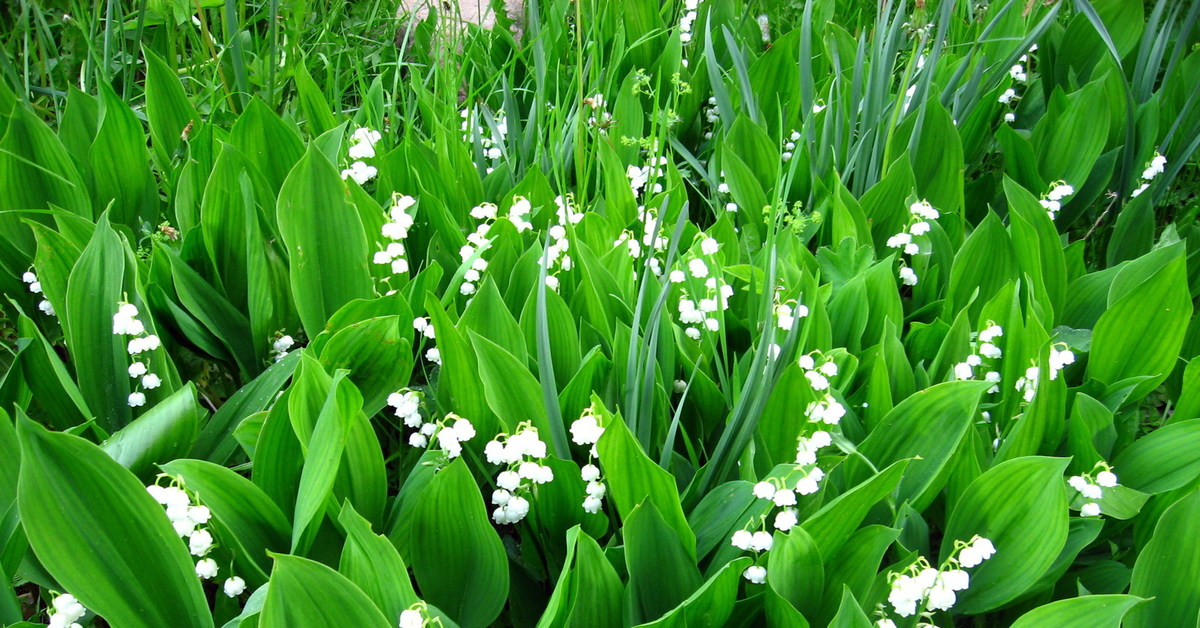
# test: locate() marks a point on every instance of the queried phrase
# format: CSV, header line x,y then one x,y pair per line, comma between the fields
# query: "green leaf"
x,y
120,171
325,241
165,432
588,590
1167,569
93,293
372,562
662,572
378,354
928,425
712,605
1163,460
633,477
246,519
832,525
1021,506
306,593
457,557
36,171
94,527
794,570
215,442
322,461
1143,329
513,393
167,108
1089,611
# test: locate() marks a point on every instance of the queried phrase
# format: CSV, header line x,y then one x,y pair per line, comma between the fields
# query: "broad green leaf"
x,y
215,442
93,295
1143,329
1163,460
372,562
325,241
457,556
1089,611
120,169
832,525
35,169
513,393
307,593
588,590
928,425
164,433
1021,506
378,354
94,527
244,516
632,478
794,570
322,461
662,572
1167,570
712,604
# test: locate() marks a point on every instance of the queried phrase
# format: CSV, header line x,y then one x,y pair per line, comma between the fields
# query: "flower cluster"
x,y
449,433
586,430
984,353
640,177
425,328
600,118
701,309
416,616
922,588
125,323
712,117
1060,357
789,146
362,146
1018,74
395,230
187,518
557,259
1091,485
781,495
35,287
786,312
478,242
689,18
281,345
67,612
521,454
723,190
1052,201
489,142
1156,167
826,409
920,213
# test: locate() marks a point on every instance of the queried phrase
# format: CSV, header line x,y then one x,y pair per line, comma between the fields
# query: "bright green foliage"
x,y
674,314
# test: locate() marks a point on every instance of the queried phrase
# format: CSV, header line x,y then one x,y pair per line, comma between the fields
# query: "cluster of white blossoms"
x,y
789,145
395,231
1156,167
449,433
1052,201
983,356
67,612
723,190
1091,485
281,345
1060,357
478,242
125,323
35,287
651,241
640,178
1019,75
425,329
586,430
817,370
187,518
702,312
489,142
688,19
557,259
417,616
919,215
784,497
362,146
786,312
923,589
711,117
521,455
